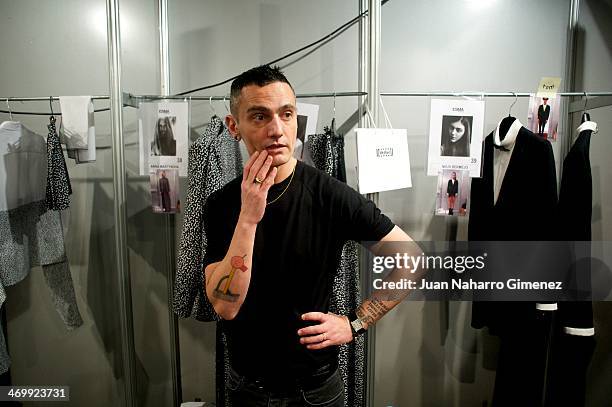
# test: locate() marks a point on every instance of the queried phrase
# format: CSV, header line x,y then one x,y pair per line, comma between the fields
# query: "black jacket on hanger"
x,y
526,203
574,336
524,211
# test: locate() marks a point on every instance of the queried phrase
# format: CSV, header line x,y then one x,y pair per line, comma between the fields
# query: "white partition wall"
x,y
427,354
60,48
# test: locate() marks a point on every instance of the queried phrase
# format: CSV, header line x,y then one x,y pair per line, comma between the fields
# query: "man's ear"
x,y
232,126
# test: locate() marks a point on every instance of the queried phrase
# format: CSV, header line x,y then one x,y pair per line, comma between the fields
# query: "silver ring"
x,y
324,337
258,181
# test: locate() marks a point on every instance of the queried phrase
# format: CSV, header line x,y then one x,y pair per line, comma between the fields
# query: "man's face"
x,y
454,175
267,120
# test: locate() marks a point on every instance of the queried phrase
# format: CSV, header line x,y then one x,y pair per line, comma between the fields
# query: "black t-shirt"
x,y
297,249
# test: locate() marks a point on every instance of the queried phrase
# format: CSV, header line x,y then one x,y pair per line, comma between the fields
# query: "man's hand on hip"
x,y
257,178
332,330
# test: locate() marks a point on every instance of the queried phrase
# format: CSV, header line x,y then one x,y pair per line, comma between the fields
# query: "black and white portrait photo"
x,y
307,118
302,123
163,136
164,143
456,128
456,136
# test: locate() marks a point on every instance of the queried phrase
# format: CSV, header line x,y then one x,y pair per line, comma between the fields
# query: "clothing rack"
x,y
226,97
491,94
132,100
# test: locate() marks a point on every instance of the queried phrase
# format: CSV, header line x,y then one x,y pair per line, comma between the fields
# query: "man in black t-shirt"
x,y
275,237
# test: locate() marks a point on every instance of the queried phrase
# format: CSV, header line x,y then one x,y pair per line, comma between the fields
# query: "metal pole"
x,y
120,212
373,102
362,79
169,220
374,22
362,82
570,75
164,61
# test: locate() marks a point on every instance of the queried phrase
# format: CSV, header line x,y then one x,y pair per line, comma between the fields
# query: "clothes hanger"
x,y
225,104
585,116
52,117
8,107
212,108
333,123
6,124
506,122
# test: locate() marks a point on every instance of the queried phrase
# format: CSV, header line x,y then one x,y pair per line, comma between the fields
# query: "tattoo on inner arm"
x,y
372,311
222,290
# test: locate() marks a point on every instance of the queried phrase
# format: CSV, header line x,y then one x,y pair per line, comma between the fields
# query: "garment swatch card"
x,y
383,160
163,130
543,116
456,130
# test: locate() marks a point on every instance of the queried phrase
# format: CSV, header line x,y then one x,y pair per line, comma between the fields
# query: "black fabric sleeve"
x,y
359,217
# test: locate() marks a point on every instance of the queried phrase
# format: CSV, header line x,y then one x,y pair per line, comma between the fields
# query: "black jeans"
x,y
323,389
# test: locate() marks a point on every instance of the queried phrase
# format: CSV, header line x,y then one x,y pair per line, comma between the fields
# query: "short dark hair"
x,y
261,76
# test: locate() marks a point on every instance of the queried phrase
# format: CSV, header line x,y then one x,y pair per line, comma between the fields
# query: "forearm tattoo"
x,y
222,290
371,311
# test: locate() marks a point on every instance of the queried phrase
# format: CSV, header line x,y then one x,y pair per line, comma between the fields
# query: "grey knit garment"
x,y
59,281
214,160
327,153
5,359
31,235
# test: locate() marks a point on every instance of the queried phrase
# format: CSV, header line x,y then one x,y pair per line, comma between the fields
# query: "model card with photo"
x,y
543,116
453,193
308,115
164,187
163,130
455,136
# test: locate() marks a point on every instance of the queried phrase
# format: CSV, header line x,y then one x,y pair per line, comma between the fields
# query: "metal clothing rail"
x,y
314,95
492,94
599,99
43,98
132,100
49,99
226,97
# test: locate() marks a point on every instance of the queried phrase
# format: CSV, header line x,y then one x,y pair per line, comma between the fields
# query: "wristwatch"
x,y
357,326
